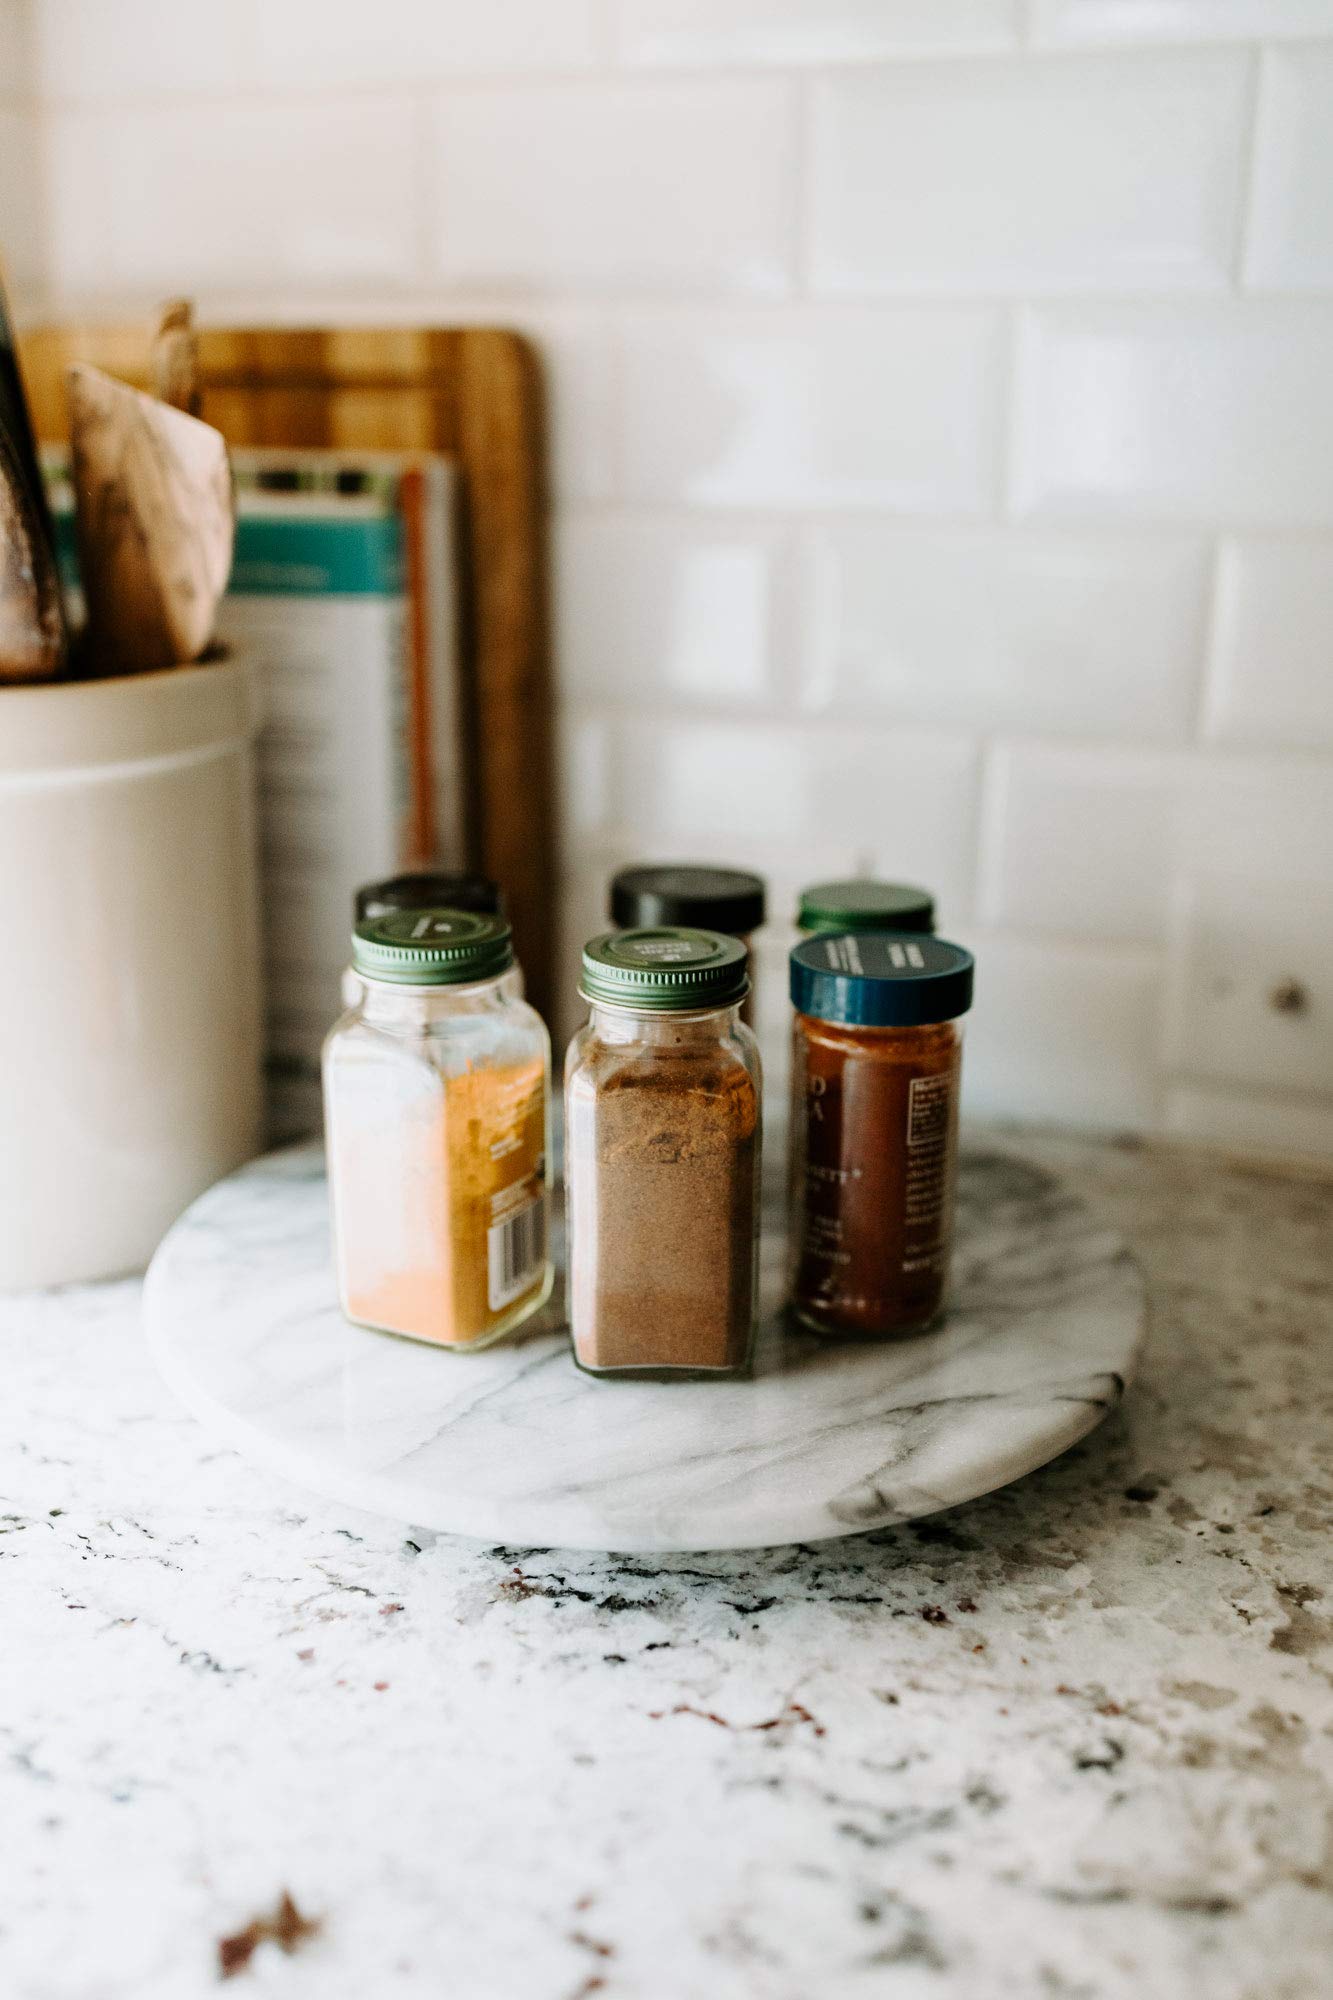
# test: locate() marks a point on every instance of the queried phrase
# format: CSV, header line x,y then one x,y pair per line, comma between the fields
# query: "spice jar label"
x,y
928,1102
441,1197
515,1251
876,1142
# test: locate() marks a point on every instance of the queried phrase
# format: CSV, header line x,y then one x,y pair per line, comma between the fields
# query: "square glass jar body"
x,y
662,1156
874,1145
436,1108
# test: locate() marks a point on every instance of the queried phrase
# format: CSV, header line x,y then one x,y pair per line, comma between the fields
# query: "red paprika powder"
x,y
876,1056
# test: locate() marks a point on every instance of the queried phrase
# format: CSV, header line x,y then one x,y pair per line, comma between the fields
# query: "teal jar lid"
x,y
432,948
665,970
881,979
865,905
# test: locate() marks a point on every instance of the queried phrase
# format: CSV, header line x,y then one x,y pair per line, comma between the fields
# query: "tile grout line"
x,y
1206,689
1008,441
801,190
1249,169
607,66
988,860
425,190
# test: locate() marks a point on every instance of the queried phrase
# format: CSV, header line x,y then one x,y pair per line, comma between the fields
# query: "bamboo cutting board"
x,y
474,392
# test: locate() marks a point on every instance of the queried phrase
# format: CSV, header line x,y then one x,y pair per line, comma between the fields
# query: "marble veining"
x,y
1073,1741
515,1444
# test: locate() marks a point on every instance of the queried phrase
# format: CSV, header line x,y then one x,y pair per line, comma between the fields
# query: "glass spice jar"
x,y
863,904
662,1140
730,900
435,1102
876,1055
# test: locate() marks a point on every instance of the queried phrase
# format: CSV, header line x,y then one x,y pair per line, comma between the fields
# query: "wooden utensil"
x,y
33,636
176,358
32,625
153,497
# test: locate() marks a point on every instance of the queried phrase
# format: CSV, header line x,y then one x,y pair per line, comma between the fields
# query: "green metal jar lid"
x,y
432,948
865,905
665,970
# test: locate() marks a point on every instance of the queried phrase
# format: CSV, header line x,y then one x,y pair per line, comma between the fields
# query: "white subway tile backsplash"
x,y
1291,215
584,750
1177,412
617,188
1080,175
22,242
1063,1032
1084,23
1252,977
305,43
658,611
681,783
1081,841
176,197
89,50
886,408
708,32
575,355
72,149
18,68
676,786
1257,820
1271,675
1077,634
907,800
1244,1121
1253,998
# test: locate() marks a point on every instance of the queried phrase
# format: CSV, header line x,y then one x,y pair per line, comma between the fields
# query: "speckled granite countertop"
x,y
1074,1739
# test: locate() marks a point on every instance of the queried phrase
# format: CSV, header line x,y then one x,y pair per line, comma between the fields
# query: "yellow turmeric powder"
x,y
435,1105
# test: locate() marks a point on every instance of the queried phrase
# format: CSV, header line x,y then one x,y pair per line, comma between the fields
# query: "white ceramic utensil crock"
x,y
130,1009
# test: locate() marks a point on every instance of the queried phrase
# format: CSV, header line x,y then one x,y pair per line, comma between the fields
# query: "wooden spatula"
x,y
153,495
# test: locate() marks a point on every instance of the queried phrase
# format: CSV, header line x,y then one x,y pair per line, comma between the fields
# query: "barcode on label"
x,y
515,1252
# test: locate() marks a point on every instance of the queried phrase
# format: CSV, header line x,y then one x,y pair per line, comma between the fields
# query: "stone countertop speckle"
x,y
1072,1739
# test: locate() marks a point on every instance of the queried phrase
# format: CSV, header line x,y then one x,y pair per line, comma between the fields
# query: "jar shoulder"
x,y
727,1062
747,1043
937,1040
525,1016
441,1037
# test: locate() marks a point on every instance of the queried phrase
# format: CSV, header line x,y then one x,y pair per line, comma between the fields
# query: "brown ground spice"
x,y
663,1157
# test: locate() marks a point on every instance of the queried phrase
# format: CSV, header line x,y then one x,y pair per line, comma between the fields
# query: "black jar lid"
x,y
429,892
881,979
712,899
865,905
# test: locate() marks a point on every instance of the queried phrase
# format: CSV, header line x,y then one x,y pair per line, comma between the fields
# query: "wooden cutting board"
x,y
474,392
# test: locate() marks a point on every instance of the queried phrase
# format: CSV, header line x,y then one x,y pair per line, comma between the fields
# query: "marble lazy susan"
x,y
515,1445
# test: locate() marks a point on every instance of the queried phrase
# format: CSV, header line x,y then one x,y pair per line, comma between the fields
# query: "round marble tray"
x,y
515,1445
